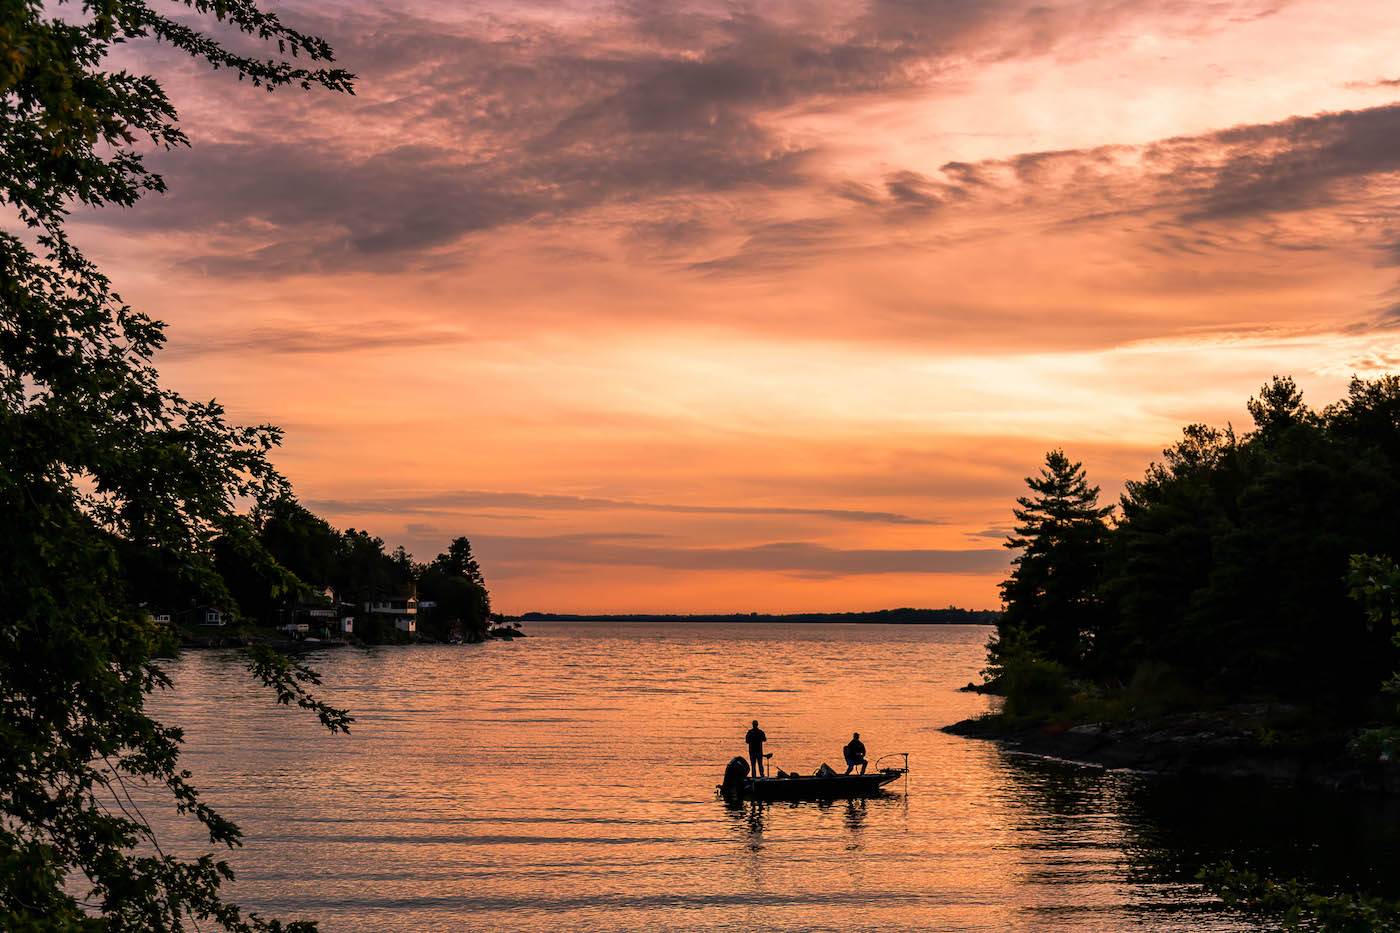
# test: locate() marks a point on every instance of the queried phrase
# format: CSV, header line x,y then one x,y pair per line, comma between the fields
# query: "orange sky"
x,y
727,307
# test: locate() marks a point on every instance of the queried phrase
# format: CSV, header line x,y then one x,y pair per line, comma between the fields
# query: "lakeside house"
x,y
204,616
402,610
322,612
319,612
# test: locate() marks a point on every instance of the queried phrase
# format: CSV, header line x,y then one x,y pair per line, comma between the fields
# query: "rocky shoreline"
x,y
241,637
1227,747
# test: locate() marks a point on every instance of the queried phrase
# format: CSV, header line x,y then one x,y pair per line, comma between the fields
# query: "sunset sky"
x,y
772,306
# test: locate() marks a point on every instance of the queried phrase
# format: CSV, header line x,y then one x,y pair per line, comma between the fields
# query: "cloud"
x,y
509,555
419,504
312,340
776,246
468,125
1307,184
1293,165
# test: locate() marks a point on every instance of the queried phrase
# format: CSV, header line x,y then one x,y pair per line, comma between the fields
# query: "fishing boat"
x,y
824,784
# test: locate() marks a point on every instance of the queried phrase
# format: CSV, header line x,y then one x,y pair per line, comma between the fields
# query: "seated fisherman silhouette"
x,y
855,753
756,738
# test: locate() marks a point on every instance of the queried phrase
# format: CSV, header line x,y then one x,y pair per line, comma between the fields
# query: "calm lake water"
x,y
566,782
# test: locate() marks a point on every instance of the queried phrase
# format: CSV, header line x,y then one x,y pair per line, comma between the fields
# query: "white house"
x,y
393,606
402,609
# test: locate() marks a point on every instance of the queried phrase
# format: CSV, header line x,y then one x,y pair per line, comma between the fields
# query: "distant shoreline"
x,y
879,617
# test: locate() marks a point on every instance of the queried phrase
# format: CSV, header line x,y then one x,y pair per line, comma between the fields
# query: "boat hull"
x,y
813,787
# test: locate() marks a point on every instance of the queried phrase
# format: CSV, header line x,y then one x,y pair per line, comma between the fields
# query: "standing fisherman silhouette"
x,y
756,738
855,753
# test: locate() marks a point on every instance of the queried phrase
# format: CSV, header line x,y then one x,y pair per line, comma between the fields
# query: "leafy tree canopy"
x,y
110,485
1227,571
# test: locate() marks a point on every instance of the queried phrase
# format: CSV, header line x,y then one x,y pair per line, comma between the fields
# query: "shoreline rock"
x,y
1191,746
243,638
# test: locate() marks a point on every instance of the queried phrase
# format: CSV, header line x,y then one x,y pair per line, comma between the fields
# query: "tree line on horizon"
x,y
1225,573
950,615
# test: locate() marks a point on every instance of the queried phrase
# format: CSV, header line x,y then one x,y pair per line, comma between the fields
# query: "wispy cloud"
x,y
789,557
467,126
449,501
801,291
313,339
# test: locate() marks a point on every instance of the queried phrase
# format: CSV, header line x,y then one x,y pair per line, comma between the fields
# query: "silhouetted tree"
x,y
300,543
304,543
1052,598
110,482
454,582
1229,561
404,569
459,562
367,571
1162,552
1279,408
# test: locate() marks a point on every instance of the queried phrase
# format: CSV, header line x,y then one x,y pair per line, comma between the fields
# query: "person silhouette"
x,y
855,753
756,738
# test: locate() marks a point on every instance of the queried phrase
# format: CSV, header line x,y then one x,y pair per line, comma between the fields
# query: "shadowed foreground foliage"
x,y
1243,573
1225,576
107,479
1297,908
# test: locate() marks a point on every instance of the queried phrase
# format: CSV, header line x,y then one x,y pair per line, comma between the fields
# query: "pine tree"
x,y
460,562
1052,603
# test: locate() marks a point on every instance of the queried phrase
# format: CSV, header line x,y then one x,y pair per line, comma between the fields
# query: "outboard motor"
x,y
734,774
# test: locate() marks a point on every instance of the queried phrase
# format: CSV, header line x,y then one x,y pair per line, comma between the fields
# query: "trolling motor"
x,y
904,755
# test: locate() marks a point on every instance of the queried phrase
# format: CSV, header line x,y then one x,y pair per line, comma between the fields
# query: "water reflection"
x,y
566,781
1150,836
748,816
855,813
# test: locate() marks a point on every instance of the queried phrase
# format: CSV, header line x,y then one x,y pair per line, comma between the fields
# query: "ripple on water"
x,y
566,782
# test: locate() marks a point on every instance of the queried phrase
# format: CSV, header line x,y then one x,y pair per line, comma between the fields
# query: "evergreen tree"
x,y
454,581
1162,552
1052,604
1229,559
365,572
459,562
1279,407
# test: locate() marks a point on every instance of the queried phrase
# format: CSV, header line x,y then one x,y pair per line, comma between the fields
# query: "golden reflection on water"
x,y
566,781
